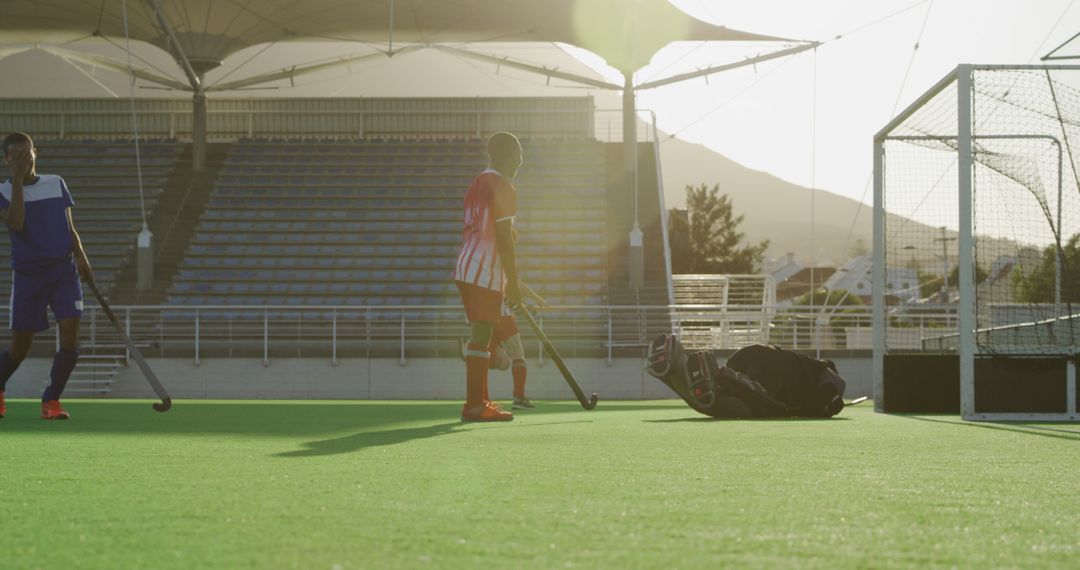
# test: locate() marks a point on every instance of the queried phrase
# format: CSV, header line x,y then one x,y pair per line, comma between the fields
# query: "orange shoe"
x,y
52,410
486,412
3,406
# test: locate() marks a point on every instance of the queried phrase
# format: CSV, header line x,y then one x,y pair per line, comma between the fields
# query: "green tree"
x,y
929,283
1038,286
705,238
842,309
954,275
858,248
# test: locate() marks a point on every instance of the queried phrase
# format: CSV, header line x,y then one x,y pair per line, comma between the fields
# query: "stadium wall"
x,y
385,379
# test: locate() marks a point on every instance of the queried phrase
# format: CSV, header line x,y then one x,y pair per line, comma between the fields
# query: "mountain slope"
x,y
775,210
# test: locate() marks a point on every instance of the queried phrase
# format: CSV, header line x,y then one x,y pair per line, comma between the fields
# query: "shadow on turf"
x,y
1044,431
262,418
363,440
707,419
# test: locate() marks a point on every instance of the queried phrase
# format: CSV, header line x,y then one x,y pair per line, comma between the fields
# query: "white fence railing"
x,y
415,331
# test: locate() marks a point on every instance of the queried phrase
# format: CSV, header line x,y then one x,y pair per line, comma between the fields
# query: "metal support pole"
x,y
401,362
145,259
127,330
945,267
636,259
198,131
1058,234
1070,388
878,277
333,338
609,337
966,260
266,337
198,361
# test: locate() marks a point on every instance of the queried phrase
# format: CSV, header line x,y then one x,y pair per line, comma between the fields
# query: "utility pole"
x,y
945,263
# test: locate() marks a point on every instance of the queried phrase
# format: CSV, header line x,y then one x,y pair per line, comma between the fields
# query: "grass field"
x,y
630,485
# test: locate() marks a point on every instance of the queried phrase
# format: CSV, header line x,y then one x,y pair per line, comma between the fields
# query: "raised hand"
x,y
22,163
512,294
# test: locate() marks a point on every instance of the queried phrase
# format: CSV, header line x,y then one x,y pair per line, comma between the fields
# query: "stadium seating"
x,y
378,222
103,178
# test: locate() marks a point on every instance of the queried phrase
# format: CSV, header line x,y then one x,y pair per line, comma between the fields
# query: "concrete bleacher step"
x,y
97,369
173,224
374,205
76,391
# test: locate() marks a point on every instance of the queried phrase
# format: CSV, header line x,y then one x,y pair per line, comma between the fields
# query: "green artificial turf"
x,y
629,485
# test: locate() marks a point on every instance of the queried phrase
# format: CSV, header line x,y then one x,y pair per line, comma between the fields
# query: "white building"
x,y
856,276
783,268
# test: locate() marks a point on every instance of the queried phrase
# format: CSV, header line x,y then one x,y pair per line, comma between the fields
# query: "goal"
x,y
977,208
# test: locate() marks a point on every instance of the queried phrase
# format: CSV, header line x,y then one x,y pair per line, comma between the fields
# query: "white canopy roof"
x,y
627,33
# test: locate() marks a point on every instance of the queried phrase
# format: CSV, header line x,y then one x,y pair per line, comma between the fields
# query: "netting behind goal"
x,y
1025,216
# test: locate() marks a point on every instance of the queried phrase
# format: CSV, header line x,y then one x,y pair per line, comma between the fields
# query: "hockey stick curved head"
x,y
164,405
591,403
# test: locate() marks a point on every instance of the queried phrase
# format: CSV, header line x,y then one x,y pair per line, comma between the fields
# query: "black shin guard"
x,y
665,357
63,364
700,372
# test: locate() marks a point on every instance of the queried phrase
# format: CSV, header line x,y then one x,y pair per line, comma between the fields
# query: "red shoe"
x,y
52,410
3,406
486,412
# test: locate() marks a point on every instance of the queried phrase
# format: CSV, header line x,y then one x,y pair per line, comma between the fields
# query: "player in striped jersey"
x,y
486,271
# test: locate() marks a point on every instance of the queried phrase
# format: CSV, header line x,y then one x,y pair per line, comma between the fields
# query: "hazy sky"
x,y
859,76
760,117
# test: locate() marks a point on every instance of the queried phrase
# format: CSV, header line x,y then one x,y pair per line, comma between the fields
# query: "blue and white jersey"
x,y
46,237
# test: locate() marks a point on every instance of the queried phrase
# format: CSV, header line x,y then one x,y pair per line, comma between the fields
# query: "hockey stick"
x,y
856,401
588,404
166,400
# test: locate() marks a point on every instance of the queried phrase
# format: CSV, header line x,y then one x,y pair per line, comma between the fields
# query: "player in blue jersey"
x,y
47,258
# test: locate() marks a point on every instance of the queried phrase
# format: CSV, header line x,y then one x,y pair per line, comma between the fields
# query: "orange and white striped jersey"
x,y
491,198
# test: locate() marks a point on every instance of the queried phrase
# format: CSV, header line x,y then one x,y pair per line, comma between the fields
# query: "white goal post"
x,y
977,203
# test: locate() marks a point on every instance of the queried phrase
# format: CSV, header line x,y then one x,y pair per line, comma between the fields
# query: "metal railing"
x,y
404,332
299,118
609,126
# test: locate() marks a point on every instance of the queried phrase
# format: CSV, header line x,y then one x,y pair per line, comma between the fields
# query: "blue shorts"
x,y
32,295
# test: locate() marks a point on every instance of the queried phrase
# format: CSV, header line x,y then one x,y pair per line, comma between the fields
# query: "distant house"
x,y
902,285
997,287
784,268
799,283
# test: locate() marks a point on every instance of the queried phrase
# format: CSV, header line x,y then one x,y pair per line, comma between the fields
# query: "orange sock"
x,y
476,372
519,371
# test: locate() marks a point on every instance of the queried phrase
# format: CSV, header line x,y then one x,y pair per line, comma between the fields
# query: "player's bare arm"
x,y
81,261
504,243
20,160
532,294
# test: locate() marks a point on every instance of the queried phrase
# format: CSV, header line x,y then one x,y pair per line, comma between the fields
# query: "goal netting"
x,y
983,222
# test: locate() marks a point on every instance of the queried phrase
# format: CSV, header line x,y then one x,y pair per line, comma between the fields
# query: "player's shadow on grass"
x,y
273,419
1015,427
706,419
367,439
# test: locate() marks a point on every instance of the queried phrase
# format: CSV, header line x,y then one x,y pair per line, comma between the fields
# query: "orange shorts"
x,y
482,305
